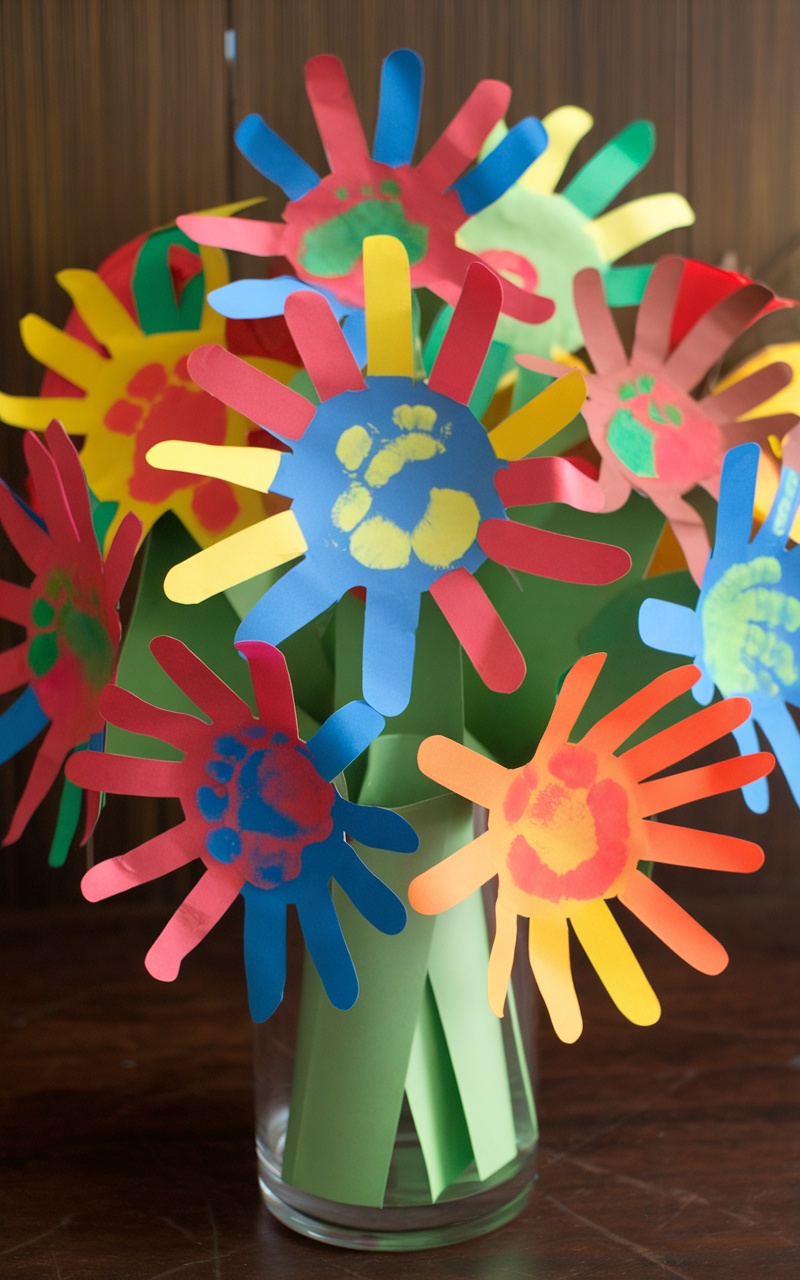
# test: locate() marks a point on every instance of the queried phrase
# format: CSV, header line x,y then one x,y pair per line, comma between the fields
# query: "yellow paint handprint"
x,y
449,524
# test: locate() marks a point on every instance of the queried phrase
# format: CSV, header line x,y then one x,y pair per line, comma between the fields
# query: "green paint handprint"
x,y
740,617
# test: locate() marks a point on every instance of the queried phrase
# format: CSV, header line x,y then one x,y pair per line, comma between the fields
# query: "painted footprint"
x,y
269,801
448,524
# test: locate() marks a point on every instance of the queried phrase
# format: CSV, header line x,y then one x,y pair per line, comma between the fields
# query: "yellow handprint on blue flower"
x,y
745,631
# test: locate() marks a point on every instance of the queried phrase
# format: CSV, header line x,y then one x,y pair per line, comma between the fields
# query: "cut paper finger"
x,y
652,433
744,632
260,814
567,831
391,486
779,400
121,369
540,238
326,220
70,613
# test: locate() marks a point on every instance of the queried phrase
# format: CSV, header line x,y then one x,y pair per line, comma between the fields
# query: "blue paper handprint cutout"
x,y
744,633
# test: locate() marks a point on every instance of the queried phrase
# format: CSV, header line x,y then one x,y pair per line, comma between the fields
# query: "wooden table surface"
x,y
127,1142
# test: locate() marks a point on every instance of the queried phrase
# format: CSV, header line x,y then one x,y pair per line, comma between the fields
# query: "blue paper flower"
x,y
744,633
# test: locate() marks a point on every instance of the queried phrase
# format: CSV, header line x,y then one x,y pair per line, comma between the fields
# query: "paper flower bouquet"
x,y
335,500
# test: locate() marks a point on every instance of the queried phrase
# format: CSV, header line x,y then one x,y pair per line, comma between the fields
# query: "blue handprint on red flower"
x,y
263,816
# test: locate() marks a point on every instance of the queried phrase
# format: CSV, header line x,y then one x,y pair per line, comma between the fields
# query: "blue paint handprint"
x,y
744,633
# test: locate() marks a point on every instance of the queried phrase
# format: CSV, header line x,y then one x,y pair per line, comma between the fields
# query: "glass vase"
x,y
408,1121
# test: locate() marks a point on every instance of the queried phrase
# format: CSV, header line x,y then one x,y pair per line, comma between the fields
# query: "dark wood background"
x,y
117,115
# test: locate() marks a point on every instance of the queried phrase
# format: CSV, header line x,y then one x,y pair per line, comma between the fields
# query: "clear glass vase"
x,y
408,1121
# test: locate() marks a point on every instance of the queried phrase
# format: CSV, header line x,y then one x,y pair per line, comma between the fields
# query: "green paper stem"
x,y
351,1066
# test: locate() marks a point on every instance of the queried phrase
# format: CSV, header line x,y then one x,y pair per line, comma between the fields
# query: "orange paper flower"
x,y
567,831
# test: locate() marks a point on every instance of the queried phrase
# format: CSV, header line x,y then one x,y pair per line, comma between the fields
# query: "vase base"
x,y
398,1239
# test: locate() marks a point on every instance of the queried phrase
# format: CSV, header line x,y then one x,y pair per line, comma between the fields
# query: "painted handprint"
x,y
744,633
262,815
70,615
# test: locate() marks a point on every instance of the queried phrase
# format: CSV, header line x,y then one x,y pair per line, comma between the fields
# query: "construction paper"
x,y
494,175
540,238
742,632
258,813
633,664
399,108
434,1101
327,219
547,619
477,1053
253,299
69,612
349,1081
651,433
783,401
566,832
135,389
158,308
702,286
390,484
436,1037
493,366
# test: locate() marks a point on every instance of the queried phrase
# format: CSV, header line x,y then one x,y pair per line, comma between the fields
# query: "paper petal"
x,y
243,235
343,737
713,334
156,857
328,949
600,333
639,221
672,628
202,908
552,555
611,169
455,878
254,468
335,112
531,481
469,334
328,360
485,637
501,959
274,158
696,784
250,392
264,951
461,140
706,850
614,729
399,108
539,419
548,952
673,925
253,550
462,770
20,724
390,640
387,293
376,827
615,964
501,168
272,686
680,740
